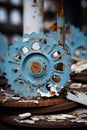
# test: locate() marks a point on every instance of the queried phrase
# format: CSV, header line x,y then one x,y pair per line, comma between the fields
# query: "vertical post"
x,y
61,20
32,16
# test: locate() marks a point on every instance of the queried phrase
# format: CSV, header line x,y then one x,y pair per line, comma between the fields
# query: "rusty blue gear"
x,y
76,42
36,61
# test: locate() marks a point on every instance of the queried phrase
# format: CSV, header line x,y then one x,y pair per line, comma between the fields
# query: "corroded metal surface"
x,y
37,105
52,108
9,98
26,119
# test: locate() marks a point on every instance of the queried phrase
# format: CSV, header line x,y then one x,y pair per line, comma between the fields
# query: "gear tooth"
x,y
33,33
55,35
25,35
11,46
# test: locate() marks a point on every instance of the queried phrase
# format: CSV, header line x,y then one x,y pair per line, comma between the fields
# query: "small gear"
x,y
76,42
37,66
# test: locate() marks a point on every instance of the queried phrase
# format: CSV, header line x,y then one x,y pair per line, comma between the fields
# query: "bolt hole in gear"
x,y
37,66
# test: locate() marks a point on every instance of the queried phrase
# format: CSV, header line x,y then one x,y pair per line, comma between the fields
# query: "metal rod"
x,y
61,20
32,16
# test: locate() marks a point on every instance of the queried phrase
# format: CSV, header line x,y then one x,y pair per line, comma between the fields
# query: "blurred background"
x,y
11,16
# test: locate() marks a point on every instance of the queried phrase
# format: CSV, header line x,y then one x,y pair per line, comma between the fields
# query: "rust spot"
x,y
66,49
52,93
35,67
60,8
62,32
54,26
44,68
68,30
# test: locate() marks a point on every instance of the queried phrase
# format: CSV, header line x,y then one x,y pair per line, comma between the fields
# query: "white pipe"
x,y
32,16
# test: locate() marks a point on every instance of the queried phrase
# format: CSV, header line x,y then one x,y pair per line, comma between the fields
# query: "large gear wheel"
x,y
37,65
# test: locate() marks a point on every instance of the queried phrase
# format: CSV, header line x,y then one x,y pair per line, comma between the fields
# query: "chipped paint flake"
x,y
25,39
79,68
35,46
48,118
24,115
52,92
25,50
27,121
75,85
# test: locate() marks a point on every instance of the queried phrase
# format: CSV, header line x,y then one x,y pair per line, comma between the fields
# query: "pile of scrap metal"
x,y
77,44
77,89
